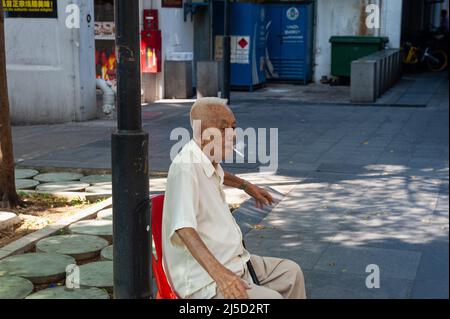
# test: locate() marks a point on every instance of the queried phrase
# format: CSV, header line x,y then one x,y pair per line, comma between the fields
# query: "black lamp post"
x,y
129,154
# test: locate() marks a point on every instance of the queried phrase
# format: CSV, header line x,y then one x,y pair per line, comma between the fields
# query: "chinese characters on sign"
x,y
30,8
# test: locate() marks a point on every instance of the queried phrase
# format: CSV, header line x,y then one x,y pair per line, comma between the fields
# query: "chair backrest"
x,y
164,289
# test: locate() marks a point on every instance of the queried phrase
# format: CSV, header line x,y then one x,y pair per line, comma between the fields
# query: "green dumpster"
x,y
345,49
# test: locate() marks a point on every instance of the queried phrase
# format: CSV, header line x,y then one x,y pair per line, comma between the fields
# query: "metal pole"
x,y
129,155
226,51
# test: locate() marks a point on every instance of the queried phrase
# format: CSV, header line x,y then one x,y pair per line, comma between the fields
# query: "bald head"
x,y
212,112
211,119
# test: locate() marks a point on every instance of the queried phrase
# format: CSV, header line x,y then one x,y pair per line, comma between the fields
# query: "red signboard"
x,y
172,3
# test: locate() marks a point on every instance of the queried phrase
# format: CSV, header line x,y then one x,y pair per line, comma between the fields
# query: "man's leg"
x,y
281,275
256,292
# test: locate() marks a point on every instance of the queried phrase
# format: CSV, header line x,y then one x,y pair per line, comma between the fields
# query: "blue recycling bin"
x,y
290,41
248,45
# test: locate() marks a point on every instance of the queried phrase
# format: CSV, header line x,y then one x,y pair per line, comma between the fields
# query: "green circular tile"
x,y
58,177
26,183
80,247
96,179
24,173
98,274
102,228
62,187
39,268
105,214
99,189
13,287
107,253
66,293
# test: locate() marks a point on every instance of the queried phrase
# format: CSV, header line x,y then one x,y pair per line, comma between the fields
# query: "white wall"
x,y
391,21
50,68
347,17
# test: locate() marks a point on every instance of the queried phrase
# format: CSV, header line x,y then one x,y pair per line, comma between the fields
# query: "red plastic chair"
x,y
164,289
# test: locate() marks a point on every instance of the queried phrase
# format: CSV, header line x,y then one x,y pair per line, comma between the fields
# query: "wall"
x,y
177,36
391,21
347,17
46,81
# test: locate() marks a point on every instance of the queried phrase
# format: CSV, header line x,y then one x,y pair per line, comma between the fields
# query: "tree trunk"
x,y
8,194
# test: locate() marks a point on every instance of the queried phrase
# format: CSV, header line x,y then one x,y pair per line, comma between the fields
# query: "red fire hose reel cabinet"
x,y
151,19
151,51
150,43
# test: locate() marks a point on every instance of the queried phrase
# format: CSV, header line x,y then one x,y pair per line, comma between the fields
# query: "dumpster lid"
x,y
358,39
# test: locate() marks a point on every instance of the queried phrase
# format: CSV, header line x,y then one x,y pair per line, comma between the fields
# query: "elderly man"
x,y
203,253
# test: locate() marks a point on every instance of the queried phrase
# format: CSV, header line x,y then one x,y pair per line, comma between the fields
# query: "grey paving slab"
x,y
341,168
435,260
400,264
289,245
430,289
343,285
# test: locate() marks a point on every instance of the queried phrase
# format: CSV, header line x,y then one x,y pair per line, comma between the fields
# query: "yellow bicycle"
x,y
435,60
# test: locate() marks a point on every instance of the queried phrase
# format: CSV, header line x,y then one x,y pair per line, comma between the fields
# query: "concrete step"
x,y
80,247
102,228
22,183
25,173
97,274
96,179
8,219
58,177
39,268
107,253
13,287
62,187
100,189
105,214
66,293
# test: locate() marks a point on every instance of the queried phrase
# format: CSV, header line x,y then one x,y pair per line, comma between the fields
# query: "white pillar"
x,y
391,21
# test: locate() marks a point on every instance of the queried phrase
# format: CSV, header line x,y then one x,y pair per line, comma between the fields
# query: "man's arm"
x,y
232,180
261,196
229,284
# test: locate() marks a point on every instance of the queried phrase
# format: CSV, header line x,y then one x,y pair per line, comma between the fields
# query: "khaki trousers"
x,y
279,279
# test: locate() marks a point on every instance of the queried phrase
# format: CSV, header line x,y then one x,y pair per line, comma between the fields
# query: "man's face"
x,y
220,136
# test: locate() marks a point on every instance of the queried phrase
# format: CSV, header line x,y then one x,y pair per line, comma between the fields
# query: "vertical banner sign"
x,y
30,8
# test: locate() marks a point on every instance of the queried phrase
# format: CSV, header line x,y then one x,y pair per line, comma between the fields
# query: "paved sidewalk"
x,y
366,184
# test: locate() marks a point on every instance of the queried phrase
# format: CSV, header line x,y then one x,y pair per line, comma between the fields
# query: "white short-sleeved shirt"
x,y
194,198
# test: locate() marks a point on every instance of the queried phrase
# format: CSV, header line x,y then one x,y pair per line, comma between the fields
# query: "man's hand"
x,y
230,285
261,196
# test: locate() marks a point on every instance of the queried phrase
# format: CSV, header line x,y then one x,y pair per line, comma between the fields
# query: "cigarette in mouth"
x,y
239,153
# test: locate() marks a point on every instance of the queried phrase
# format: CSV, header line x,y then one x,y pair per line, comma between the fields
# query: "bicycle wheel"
x,y
441,61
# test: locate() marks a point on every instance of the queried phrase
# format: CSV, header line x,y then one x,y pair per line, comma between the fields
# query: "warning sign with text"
x,y
239,49
30,8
